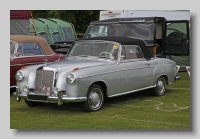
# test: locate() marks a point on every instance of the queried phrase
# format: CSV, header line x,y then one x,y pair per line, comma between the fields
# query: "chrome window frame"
x,y
126,52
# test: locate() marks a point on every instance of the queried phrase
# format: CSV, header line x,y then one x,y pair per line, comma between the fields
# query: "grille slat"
x,y
44,80
38,78
47,78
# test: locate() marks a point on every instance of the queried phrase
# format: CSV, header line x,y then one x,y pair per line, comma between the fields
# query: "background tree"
x,y
79,18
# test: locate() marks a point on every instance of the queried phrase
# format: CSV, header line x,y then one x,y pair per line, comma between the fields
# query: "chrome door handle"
x,y
147,64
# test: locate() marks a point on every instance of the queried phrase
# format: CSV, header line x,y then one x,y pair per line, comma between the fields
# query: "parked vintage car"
x,y
29,50
96,68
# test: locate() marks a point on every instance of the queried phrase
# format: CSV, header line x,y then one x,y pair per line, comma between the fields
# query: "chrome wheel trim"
x,y
95,98
161,86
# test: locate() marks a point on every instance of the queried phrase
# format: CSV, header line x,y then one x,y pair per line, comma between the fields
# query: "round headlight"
x,y
71,78
19,75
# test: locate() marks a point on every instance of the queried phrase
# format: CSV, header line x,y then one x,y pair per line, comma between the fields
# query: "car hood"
x,y
70,64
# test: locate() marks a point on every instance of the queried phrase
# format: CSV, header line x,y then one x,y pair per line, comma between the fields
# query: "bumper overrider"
x,y
59,98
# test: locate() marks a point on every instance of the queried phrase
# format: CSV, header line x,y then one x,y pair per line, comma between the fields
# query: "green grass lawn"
x,y
137,111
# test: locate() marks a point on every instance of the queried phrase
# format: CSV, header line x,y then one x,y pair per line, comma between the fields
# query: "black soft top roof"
x,y
125,41
118,20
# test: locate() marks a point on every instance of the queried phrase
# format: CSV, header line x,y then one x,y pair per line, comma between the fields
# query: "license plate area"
x,y
37,98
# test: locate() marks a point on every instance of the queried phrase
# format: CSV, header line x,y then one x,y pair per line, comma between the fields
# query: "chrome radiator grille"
x,y
44,80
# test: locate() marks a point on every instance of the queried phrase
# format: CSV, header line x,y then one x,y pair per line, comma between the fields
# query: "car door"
x,y
136,72
176,39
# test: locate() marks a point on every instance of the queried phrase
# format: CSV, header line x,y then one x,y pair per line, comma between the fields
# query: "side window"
x,y
19,51
139,53
133,52
97,31
103,29
30,49
176,30
12,47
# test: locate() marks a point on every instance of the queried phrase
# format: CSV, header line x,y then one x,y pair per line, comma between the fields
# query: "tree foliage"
x,y
79,18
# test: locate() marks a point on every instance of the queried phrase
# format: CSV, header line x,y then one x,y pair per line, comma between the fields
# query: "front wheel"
x,y
160,88
95,99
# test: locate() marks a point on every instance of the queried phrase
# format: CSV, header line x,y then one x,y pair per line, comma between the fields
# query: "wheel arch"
x,y
163,75
95,101
166,78
102,84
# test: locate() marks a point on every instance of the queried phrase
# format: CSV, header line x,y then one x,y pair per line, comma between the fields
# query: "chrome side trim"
x,y
96,66
136,68
34,56
98,74
29,64
111,72
128,92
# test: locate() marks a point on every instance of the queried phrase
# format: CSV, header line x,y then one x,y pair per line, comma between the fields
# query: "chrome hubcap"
x,y
160,86
95,98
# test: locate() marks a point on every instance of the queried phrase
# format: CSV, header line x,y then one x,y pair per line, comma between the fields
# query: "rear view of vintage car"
x,y
94,69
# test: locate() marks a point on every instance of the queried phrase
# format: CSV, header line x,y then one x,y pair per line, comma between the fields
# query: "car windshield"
x,y
138,30
108,50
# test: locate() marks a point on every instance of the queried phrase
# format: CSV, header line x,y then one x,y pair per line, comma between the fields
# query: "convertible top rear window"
x,y
139,30
29,49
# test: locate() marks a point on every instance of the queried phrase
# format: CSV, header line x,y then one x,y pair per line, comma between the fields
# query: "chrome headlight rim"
x,y
71,78
19,75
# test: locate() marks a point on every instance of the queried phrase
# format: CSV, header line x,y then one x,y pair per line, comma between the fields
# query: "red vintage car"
x,y
29,50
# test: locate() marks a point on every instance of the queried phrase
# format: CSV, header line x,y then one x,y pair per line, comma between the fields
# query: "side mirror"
x,y
89,36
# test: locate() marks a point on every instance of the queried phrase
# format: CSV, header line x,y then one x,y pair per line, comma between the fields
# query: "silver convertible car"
x,y
94,69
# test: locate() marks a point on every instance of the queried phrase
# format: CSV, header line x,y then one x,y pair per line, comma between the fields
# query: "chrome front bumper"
x,y
177,78
59,98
